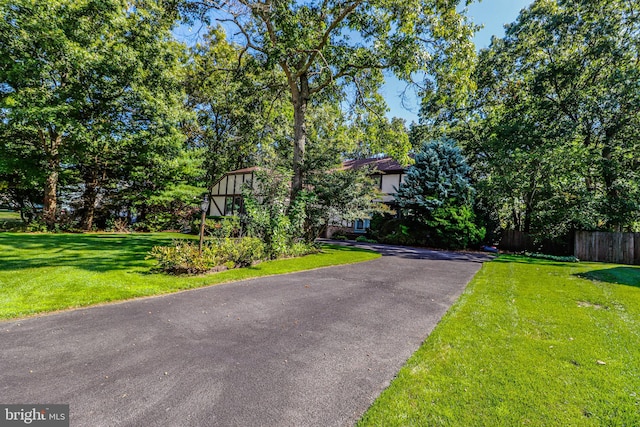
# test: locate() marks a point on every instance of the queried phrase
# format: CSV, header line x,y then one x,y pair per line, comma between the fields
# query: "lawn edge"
x,y
179,291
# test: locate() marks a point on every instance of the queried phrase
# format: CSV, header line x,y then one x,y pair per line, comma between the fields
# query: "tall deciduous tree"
x,y
240,107
552,127
90,85
323,47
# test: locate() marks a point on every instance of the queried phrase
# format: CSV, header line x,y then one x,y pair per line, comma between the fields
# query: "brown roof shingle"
x,y
381,164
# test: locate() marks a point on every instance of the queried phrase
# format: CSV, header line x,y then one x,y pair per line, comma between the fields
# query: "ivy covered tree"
x,y
437,194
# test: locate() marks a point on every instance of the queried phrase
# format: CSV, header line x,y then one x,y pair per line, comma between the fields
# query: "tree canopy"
x,y
89,93
551,129
323,47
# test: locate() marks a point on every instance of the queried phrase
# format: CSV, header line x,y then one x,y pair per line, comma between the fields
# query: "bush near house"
x,y
184,257
436,201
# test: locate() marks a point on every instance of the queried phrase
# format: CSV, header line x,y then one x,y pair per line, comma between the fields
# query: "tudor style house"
x,y
226,195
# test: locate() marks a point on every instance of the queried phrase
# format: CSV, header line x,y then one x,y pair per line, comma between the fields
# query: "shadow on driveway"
x,y
312,348
415,253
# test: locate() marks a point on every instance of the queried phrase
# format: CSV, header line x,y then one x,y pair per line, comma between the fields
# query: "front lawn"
x,y
530,342
47,272
9,220
6,215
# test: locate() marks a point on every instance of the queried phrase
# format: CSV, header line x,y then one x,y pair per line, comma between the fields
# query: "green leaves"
x,y
550,129
437,195
92,87
439,177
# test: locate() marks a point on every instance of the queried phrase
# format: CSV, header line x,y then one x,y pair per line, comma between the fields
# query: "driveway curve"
x,y
312,348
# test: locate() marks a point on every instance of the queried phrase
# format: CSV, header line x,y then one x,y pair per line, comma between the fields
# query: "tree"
x,y
239,106
322,48
551,130
92,88
437,193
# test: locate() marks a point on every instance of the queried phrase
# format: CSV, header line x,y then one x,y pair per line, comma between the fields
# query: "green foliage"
x,y
454,227
242,252
437,197
364,239
552,135
184,257
552,257
346,194
266,212
240,110
36,226
225,227
90,99
439,177
314,47
301,248
395,231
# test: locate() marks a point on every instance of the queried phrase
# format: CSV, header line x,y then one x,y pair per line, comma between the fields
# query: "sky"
x,y
493,14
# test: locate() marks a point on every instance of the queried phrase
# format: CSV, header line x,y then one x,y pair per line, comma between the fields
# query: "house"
x,y
387,173
226,195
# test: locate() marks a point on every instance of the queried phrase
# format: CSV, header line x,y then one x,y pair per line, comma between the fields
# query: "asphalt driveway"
x,y
306,349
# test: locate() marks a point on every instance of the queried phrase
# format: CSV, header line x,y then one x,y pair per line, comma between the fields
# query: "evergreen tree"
x,y
437,194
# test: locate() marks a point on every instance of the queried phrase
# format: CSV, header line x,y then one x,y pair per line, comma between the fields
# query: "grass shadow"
x,y
629,276
521,259
91,252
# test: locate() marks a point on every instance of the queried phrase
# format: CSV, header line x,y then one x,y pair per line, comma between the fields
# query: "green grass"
x,y
10,220
530,342
9,216
48,272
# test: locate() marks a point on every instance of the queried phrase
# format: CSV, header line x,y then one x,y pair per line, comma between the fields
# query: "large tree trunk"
x,y
300,99
52,152
89,199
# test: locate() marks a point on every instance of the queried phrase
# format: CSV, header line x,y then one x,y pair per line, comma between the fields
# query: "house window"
x,y
228,205
238,206
361,225
233,205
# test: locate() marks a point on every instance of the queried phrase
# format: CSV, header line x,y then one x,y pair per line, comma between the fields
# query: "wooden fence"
x,y
618,248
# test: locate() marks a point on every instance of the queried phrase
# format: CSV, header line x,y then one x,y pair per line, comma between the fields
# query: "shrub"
x,y
118,225
396,231
363,239
300,249
552,257
36,226
183,257
158,221
454,228
220,227
241,252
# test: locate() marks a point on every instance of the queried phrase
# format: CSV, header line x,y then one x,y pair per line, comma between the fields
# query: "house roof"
x,y
244,170
381,164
